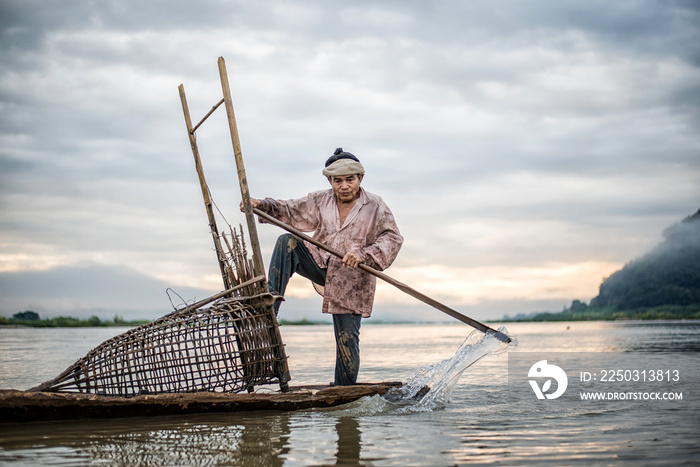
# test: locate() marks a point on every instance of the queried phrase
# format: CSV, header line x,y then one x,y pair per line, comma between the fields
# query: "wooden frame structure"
x,y
232,345
257,267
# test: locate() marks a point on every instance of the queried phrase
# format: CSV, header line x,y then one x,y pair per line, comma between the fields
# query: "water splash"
x,y
431,386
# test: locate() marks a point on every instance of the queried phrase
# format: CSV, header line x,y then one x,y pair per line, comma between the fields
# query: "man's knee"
x,y
283,239
286,243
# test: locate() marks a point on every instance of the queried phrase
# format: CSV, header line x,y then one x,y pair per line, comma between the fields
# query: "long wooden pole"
x,y
400,285
228,283
258,266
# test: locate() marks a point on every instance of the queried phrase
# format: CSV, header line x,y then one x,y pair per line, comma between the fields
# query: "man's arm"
x,y
385,248
300,213
383,252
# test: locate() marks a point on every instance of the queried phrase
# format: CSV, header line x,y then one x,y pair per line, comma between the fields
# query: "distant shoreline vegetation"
x,y
32,319
300,322
579,311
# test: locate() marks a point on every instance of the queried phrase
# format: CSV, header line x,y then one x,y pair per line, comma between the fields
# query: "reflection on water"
x,y
479,425
349,441
660,336
196,440
608,336
264,439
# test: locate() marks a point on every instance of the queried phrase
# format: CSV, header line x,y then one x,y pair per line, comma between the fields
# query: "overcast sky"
x,y
527,149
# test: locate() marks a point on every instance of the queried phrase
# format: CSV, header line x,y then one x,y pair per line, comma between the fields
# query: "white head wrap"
x,y
344,167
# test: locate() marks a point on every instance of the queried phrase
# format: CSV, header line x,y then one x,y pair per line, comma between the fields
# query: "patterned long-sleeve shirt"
x,y
369,230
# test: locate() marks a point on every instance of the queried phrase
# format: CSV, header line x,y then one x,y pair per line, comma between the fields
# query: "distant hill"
x,y
667,275
662,284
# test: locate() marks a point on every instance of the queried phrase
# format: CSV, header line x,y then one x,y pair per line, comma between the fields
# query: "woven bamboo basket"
x,y
232,344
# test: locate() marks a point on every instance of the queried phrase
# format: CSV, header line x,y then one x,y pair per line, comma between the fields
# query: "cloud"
x,y
508,139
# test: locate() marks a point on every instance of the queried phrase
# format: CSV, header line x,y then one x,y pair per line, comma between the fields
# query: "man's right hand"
x,y
255,203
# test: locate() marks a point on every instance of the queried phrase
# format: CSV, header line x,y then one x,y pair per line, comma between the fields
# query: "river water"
x,y
490,418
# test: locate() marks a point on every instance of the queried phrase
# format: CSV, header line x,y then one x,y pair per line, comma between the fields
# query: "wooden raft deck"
x,y
21,406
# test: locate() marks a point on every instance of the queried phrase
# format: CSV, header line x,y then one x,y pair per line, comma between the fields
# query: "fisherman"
x,y
351,220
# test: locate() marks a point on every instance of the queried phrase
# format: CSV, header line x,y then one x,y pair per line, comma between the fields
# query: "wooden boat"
x,y
25,406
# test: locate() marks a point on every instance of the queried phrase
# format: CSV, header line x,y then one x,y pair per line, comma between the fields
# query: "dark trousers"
x,y
347,348
291,255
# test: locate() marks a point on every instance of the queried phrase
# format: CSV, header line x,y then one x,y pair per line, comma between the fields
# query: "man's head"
x,y
343,163
345,173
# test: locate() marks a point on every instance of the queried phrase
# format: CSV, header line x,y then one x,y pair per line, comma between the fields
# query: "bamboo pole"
x,y
207,115
400,285
220,256
259,267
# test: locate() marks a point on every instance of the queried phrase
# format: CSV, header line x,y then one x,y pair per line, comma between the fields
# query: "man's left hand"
x,y
352,259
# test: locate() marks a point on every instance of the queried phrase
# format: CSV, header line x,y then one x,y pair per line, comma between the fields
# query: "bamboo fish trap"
x,y
231,345
227,347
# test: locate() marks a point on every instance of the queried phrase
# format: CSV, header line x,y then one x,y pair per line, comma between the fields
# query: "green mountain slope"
x,y
667,275
662,284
